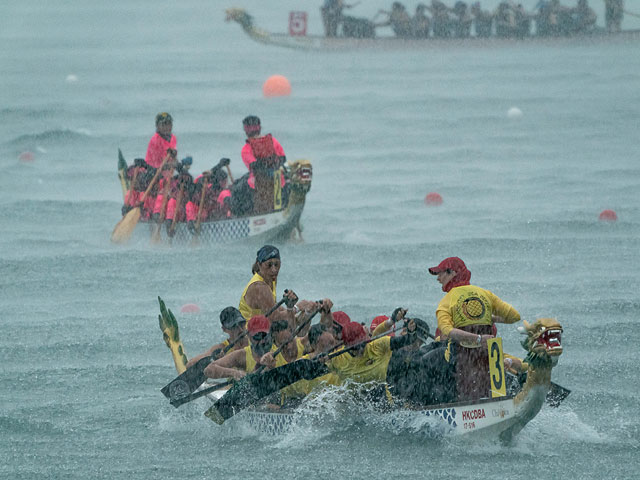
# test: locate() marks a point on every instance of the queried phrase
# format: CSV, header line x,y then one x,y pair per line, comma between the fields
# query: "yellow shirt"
x,y
371,366
471,305
246,311
250,361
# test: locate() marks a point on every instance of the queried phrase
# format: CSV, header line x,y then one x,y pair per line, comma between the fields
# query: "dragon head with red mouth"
x,y
544,341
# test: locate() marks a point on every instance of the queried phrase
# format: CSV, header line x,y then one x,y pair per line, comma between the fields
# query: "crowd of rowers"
x,y
177,197
393,356
508,20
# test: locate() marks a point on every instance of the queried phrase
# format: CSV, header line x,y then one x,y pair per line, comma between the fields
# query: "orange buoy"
x,y
433,198
26,156
276,86
190,308
608,216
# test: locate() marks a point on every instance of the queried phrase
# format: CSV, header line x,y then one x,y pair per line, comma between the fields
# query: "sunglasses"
x,y
259,337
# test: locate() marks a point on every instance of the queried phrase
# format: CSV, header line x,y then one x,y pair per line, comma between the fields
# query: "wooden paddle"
x,y
172,228
195,239
252,388
156,236
258,371
188,381
124,228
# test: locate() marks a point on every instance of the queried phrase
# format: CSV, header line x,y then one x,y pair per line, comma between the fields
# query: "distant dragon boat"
x,y
279,224
501,417
323,43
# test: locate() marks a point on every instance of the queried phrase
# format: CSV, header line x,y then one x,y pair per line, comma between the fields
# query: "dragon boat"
x,y
282,223
341,43
501,417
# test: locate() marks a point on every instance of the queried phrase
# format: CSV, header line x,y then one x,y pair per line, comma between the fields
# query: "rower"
x,y
238,363
233,324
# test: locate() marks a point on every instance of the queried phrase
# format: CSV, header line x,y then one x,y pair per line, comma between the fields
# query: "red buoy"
x,y
26,157
190,308
433,198
608,216
276,86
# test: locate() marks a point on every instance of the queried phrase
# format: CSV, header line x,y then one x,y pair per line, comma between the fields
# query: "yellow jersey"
x,y
246,311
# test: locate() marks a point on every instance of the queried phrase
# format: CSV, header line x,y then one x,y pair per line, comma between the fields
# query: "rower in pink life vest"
x,y
181,181
165,184
214,181
162,141
139,177
264,148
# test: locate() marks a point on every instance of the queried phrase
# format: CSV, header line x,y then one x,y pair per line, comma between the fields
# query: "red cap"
x,y
258,324
353,333
450,263
377,321
341,318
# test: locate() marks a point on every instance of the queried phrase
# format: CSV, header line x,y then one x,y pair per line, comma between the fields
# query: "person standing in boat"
x,y
465,316
233,324
483,21
259,296
420,23
613,13
162,142
263,156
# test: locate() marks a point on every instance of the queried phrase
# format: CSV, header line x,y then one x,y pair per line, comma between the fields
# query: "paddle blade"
x,y
124,228
556,395
255,387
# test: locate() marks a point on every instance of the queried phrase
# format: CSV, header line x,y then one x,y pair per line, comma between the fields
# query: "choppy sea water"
x,y
82,359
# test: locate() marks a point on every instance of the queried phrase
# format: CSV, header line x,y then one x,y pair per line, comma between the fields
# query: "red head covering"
x,y
453,263
377,321
341,318
258,324
353,333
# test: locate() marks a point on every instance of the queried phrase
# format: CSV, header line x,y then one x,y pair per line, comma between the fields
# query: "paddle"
x,y
172,227
124,228
252,388
122,173
195,239
187,382
156,236
176,402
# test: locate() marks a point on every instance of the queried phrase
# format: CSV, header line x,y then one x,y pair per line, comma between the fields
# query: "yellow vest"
x,y
250,362
371,366
246,311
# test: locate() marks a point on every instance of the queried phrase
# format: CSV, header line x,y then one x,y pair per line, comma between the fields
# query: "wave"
x,y
50,136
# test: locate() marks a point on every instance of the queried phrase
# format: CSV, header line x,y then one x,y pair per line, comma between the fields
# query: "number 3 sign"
x,y
297,24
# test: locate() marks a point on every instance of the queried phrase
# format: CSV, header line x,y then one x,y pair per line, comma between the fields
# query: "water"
x,y
81,353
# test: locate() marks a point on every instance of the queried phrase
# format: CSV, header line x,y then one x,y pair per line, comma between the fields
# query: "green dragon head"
x,y
543,341
239,15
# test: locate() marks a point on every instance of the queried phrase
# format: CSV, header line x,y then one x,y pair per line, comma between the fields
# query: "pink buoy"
x,y
276,86
608,216
433,198
26,157
190,308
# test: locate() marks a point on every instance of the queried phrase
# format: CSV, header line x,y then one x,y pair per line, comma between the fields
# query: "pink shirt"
x,y
248,158
157,149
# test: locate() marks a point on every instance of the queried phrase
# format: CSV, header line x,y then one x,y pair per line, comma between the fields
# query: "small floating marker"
x,y
71,78
514,112
433,199
276,86
608,216
26,157
190,308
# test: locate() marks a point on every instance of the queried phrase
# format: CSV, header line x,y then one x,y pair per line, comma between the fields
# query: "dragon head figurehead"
x,y
241,16
543,341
